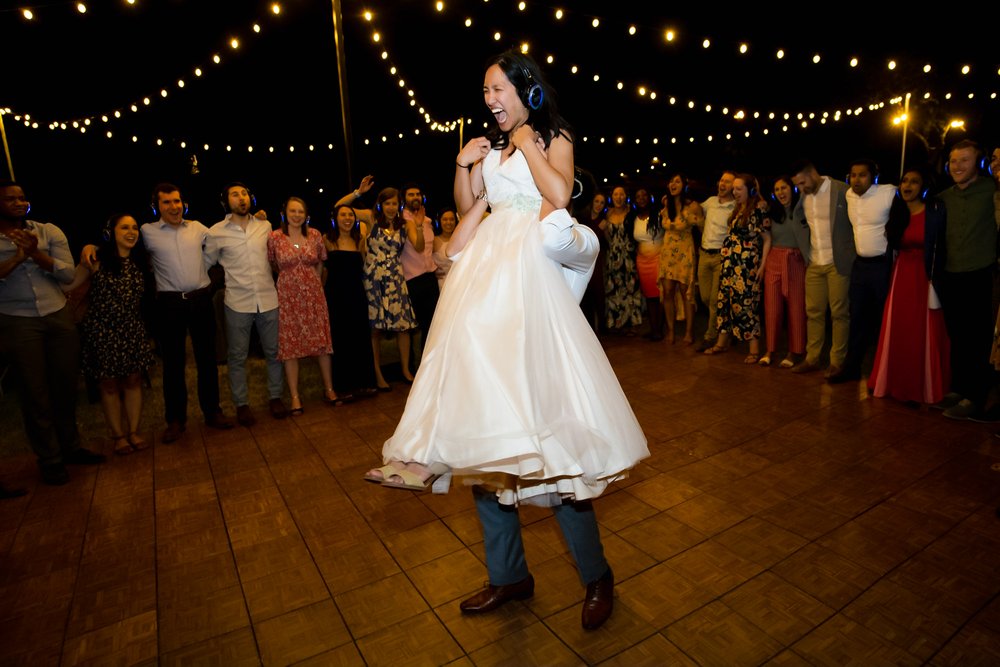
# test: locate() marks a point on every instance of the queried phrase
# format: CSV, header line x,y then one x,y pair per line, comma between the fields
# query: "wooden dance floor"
x,y
778,521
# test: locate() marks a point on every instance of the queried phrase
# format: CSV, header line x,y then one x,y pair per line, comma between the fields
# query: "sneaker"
x,y
84,457
950,400
963,410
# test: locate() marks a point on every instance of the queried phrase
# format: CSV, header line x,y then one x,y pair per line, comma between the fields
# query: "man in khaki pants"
x,y
828,276
714,232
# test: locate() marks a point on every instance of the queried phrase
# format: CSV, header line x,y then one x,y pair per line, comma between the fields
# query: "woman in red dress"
x,y
297,253
911,363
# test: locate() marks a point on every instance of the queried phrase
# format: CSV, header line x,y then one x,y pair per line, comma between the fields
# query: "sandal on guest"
x,y
296,411
122,446
716,349
137,442
331,398
384,473
787,362
765,360
751,358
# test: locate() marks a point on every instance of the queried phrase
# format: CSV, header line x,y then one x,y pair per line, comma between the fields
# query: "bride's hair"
x,y
523,72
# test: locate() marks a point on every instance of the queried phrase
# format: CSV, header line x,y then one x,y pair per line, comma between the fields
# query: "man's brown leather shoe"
x,y
219,421
244,415
492,596
599,602
173,432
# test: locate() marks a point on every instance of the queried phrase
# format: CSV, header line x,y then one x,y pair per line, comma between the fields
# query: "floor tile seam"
x,y
962,627
79,564
232,557
833,612
553,630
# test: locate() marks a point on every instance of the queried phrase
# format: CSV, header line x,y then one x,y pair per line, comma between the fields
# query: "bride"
x,y
534,406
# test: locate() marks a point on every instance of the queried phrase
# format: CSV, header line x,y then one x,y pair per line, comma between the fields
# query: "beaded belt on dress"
x,y
522,203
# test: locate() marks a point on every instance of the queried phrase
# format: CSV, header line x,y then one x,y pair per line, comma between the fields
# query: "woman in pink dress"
x,y
911,363
297,253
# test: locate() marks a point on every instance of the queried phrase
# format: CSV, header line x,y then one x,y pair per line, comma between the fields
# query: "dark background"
x,y
280,89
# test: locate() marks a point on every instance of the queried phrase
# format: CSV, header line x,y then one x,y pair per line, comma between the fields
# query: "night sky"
x,y
280,89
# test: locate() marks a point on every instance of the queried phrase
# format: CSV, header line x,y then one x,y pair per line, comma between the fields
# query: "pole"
x,y
906,123
6,148
461,132
338,39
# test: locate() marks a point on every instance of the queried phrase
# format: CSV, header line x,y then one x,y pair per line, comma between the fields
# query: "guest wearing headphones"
x,y
37,334
239,244
623,302
876,214
447,221
389,305
967,280
744,254
183,304
115,346
347,303
831,256
297,253
418,265
785,274
911,362
680,214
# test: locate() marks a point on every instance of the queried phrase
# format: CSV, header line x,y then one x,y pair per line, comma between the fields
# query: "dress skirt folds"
x,y
514,389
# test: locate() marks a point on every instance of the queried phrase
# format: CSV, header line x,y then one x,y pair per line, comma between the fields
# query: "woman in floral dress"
x,y
389,307
297,252
743,253
679,214
623,302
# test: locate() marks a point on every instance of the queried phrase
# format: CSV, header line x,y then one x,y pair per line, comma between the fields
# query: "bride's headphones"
x,y
533,95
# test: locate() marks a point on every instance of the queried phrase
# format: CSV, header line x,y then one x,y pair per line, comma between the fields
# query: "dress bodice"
x,y
510,185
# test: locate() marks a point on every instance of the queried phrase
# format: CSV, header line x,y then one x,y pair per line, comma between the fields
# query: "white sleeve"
x,y
572,245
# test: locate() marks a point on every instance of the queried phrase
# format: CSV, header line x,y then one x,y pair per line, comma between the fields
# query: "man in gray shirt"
x,y
37,334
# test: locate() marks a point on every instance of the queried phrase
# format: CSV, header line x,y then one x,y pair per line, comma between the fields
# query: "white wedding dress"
x,y
514,389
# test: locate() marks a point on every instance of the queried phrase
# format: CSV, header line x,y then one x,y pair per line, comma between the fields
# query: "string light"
x,y
163,93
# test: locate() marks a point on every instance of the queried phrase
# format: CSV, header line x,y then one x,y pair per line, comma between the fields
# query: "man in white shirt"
x,y
828,275
718,210
239,244
876,215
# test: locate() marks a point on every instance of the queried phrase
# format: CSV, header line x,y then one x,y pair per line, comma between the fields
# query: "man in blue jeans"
x,y
574,248
239,244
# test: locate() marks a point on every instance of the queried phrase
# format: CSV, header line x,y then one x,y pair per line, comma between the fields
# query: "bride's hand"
x,y
473,152
540,145
523,135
